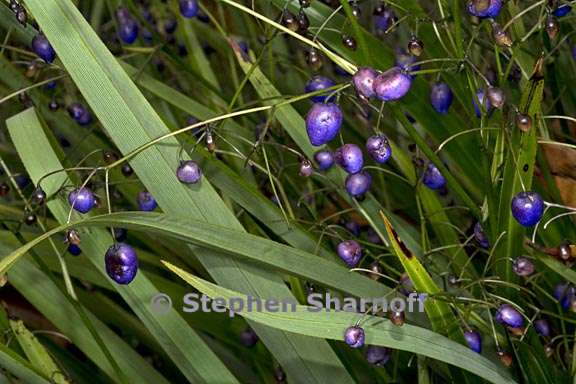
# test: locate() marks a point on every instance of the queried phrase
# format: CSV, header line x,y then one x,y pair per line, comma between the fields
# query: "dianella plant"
x,y
287,191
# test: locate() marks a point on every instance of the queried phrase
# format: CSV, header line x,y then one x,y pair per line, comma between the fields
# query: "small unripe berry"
x,y
522,266
542,327
415,46
306,168
398,318
313,59
496,96
501,37
552,27
289,21
523,122
349,42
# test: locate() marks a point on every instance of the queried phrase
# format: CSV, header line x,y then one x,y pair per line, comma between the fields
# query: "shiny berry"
x,y
248,338
501,37
303,22
542,327
289,21
74,250
474,340
496,97
189,172
398,318
354,336
109,157
523,122
480,236
127,170
30,219
349,42
392,84
432,177
305,3
324,159
4,189
376,271
358,184
313,59
364,82
22,16
323,123
485,8
552,27
349,157
42,47
415,46
527,208
379,148
505,358
81,199
188,8
39,196
72,237
121,263
562,10
483,100
146,201
318,83
128,30
350,252
377,355
306,168
509,316
565,251
522,266
441,97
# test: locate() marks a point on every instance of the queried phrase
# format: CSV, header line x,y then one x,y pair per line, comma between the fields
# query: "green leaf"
x,y
19,367
36,353
331,325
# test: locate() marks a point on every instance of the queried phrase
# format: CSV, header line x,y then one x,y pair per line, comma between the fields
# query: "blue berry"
x,y
81,199
353,227
432,178
358,184
80,114
484,101
474,340
379,148
490,10
562,10
384,18
392,84
189,172
354,336
441,97
121,263
527,208
188,8
74,249
323,123
377,355
480,236
42,47
349,157
350,252
146,201
522,266
128,30
542,327
364,82
318,83
248,338
509,316
565,294
324,159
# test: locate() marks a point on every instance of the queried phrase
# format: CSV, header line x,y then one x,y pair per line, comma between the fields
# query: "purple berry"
x,y
324,159
323,123
80,114
565,294
542,327
379,148
358,184
121,263
350,252
74,249
405,61
405,284
377,355
562,10
484,101
474,340
392,84
522,266
480,236
120,234
318,83
441,97
353,227
527,208
354,336
306,168
248,338
373,236
364,82
146,201
349,157
189,172
188,8
384,18
127,30
508,315
81,199
42,47
490,11
432,178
